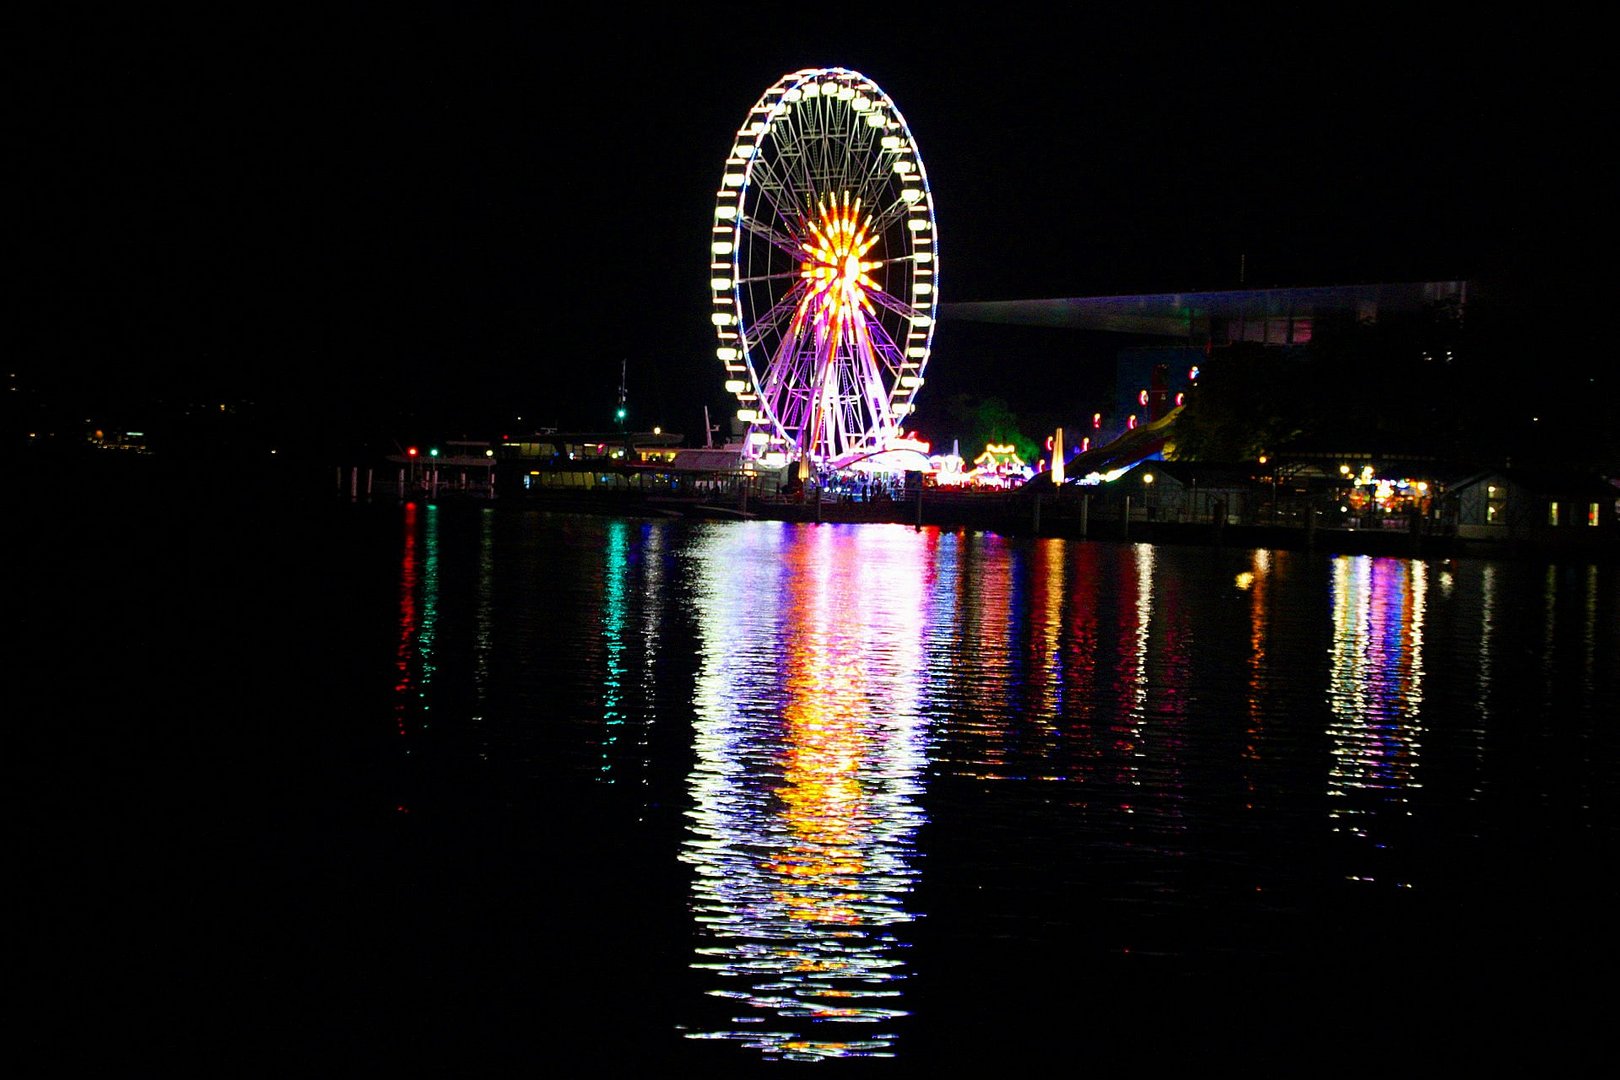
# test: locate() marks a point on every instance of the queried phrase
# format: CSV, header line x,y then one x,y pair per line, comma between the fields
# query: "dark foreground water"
x,y
486,790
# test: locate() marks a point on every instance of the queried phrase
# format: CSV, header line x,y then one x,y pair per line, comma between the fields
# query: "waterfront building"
x,y
1544,507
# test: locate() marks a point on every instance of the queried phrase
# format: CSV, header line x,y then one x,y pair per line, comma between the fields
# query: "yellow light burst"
x,y
836,270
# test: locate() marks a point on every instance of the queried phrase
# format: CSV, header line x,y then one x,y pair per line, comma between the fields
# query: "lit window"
x,y
1592,514
1552,513
1495,504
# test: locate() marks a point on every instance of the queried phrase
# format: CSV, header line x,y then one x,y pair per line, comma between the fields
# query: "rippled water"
x,y
721,795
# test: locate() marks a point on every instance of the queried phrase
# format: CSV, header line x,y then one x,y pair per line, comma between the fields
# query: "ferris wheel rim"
x,y
823,347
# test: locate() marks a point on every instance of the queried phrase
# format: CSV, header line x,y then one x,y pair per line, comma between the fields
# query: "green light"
x,y
433,452
621,414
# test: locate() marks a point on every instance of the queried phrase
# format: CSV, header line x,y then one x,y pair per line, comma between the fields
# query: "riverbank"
x,y
99,485
1020,513
1010,515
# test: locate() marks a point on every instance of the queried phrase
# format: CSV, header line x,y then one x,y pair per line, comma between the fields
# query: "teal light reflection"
x,y
484,623
615,582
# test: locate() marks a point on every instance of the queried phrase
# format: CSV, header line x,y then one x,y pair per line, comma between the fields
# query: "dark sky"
x,y
474,213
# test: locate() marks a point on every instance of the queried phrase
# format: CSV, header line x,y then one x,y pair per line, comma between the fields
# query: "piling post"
x,y
1125,521
1037,514
1085,513
354,481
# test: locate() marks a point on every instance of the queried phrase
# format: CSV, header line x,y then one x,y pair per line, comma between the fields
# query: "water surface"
x,y
460,783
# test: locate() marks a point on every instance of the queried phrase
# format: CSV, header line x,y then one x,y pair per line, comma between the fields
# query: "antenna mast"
x,y
623,370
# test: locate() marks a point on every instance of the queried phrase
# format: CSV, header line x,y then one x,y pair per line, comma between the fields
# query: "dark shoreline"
x,y
1015,514
103,485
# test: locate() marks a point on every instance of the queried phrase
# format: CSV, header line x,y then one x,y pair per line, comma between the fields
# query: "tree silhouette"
x,y
975,422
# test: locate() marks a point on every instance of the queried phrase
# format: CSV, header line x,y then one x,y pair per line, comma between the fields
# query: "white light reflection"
x,y
1487,631
810,764
1589,637
652,587
1550,624
1375,693
483,621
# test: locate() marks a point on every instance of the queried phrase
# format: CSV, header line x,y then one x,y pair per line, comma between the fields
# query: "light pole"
x,y
1263,460
620,414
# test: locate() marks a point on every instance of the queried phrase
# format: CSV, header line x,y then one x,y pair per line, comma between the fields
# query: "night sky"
x,y
382,220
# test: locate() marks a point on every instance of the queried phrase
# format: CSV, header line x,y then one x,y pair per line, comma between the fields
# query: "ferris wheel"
x,y
823,270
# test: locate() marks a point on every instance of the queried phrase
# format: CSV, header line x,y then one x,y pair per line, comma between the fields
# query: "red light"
x,y
411,451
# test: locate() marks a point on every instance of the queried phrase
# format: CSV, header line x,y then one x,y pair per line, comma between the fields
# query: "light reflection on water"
x,y
1097,750
631,628
415,653
804,799
1375,691
616,581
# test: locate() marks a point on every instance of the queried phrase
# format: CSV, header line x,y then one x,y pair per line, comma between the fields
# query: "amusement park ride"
x,y
823,273
824,284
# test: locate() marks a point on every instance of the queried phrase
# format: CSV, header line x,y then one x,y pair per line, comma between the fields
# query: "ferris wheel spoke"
x,y
899,307
787,391
792,277
895,210
873,398
777,187
779,240
782,311
787,369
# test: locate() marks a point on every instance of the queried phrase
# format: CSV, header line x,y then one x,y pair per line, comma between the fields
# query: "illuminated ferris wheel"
x,y
824,270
